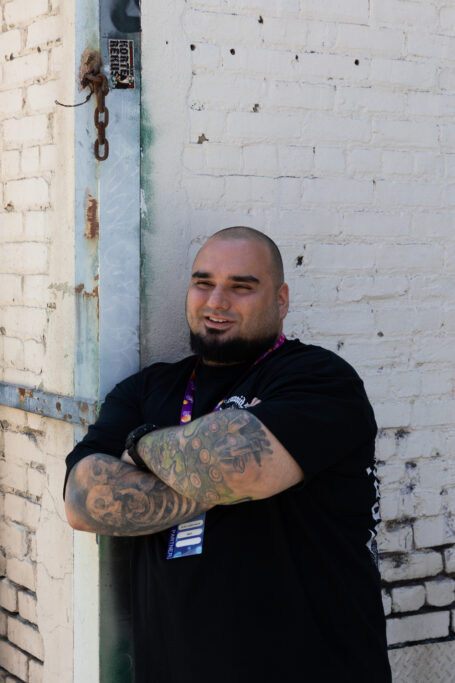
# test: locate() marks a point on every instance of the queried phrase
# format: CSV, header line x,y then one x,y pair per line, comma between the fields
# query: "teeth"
x,y
218,320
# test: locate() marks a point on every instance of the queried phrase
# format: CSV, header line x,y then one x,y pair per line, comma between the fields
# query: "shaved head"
x,y
241,232
237,300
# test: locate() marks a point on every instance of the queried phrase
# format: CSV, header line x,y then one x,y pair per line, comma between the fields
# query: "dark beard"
x,y
213,349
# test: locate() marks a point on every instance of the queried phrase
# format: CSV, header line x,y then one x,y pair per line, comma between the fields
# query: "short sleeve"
x,y
318,409
119,414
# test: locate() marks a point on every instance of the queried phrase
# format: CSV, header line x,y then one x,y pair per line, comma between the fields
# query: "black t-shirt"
x,y
286,588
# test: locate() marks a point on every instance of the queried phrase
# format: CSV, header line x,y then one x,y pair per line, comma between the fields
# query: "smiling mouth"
x,y
220,323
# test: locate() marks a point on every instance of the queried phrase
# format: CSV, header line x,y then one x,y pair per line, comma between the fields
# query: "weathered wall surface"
x,y
330,126
36,340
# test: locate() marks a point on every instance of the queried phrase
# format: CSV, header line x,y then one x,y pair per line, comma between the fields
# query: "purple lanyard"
x,y
190,391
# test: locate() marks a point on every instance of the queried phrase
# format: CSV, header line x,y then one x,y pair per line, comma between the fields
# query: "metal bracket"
x,y
66,408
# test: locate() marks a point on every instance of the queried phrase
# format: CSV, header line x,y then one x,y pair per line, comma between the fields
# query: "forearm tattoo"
x,y
116,499
214,459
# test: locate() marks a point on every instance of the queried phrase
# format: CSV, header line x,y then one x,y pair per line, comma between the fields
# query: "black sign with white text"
x,y
121,61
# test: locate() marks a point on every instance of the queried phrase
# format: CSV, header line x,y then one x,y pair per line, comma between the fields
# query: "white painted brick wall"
x,y
21,572
22,510
408,598
25,69
410,566
8,595
33,54
353,102
386,602
14,539
367,41
434,531
13,660
25,636
27,93
26,131
10,43
395,539
27,606
449,560
440,592
404,13
35,671
418,627
44,31
19,12
355,11
11,101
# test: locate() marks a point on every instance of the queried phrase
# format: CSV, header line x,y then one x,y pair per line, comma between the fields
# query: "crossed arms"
x,y
221,458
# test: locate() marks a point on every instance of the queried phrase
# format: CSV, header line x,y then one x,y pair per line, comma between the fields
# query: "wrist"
x,y
132,443
141,447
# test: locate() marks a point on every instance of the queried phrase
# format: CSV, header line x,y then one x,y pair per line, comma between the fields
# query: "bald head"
x,y
240,232
237,300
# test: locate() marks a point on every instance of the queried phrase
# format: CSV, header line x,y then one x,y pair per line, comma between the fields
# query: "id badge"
x,y
186,538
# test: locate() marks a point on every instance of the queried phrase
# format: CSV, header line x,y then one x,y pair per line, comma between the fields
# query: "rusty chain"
x,y
90,77
101,89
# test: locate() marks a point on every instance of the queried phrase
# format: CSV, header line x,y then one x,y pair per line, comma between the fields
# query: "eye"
x,y
202,284
242,287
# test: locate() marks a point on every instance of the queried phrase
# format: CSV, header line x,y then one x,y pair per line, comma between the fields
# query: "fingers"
x,y
126,458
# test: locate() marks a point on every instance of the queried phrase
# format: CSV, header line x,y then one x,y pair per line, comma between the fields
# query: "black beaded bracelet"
x,y
132,439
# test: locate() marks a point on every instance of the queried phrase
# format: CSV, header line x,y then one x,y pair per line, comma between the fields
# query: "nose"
x,y
218,299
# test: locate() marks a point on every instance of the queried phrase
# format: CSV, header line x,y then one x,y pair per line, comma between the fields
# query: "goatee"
x,y
214,349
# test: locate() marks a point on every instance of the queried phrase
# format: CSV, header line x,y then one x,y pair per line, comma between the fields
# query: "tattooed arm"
x,y
221,458
110,497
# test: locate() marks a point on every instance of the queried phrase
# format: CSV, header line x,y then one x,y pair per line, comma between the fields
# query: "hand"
x,y
127,458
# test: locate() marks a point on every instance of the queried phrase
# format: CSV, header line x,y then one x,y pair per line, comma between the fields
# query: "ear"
x,y
283,300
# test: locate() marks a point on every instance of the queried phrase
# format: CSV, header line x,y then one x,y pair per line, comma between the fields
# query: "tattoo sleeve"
x,y
113,498
216,459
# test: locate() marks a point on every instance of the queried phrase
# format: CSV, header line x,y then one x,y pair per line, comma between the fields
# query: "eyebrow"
x,y
203,275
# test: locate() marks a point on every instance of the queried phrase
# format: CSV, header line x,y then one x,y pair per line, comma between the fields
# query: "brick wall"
x,y
329,125
36,559
36,282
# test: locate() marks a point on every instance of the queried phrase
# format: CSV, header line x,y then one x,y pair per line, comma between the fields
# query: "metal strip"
x,y
107,288
119,263
86,362
76,410
120,202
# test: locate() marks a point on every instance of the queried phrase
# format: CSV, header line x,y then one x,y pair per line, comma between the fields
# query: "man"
x,y
274,441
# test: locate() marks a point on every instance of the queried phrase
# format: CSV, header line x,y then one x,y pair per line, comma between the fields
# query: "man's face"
x,y
233,306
